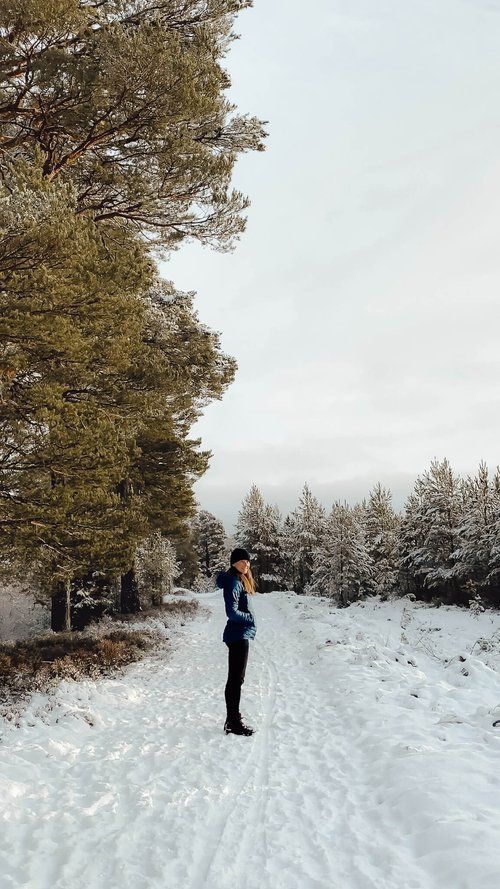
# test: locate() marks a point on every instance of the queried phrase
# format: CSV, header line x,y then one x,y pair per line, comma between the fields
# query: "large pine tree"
x,y
71,326
121,110
102,377
127,101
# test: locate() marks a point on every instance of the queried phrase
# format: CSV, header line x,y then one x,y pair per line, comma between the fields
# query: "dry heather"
x,y
177,607
39,663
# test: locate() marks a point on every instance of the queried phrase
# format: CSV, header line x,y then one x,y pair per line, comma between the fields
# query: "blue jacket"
x,y
241,618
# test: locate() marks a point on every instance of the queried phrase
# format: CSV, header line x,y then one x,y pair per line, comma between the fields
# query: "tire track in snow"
x,y
296,755
227,861
219,828
219,858
255,821
307,836
341,842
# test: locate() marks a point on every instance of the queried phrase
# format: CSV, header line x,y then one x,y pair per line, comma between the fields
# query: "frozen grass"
x,y
39,663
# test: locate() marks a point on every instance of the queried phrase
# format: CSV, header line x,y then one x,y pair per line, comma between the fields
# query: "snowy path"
x,y
131,784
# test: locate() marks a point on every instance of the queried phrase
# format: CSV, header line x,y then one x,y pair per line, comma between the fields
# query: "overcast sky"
x,y
363,301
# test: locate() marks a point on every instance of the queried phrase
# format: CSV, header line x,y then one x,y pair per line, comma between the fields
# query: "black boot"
x,y
237,727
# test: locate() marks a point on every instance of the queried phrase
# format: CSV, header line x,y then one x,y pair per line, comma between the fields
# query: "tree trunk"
x,y
84,614
60,620
60,612
129,599
129,592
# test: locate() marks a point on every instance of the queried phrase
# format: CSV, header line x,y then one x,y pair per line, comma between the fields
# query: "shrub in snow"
x,y
31,663
156,567
203,584
476,605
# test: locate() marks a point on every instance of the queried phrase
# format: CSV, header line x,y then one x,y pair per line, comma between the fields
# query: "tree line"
x,y
117,144
443,547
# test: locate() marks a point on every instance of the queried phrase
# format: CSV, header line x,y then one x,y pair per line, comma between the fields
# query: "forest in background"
x,y
444,547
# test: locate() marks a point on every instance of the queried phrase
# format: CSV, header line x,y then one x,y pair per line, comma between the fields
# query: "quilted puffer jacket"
x,y
240,615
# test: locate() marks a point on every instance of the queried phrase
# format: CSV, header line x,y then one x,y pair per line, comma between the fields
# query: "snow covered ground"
x,y
374,764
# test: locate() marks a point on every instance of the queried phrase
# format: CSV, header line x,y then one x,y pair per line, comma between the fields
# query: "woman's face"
x,y
242,566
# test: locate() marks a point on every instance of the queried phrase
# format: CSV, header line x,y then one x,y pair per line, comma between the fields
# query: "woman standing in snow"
x,y
240,628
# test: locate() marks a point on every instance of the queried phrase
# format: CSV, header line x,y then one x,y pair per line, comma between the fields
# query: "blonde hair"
x,y
246,579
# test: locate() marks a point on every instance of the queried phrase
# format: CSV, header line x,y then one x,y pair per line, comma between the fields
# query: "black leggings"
x,y
237,663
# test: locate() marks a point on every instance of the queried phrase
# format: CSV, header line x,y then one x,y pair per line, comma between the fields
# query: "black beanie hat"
x,y
238,554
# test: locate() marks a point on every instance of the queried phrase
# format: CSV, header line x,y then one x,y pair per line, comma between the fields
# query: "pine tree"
x,y
287,565
270,558
127,101
493,578
477,531
343,568
258,530
381,525
411,540
71,324
437,507
308,523
120,110
248,528
209,542
183,369
91,596
187,557
102,377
